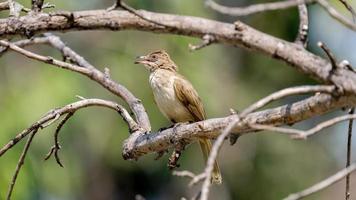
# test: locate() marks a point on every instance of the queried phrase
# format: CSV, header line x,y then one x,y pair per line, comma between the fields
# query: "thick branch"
x,y
238,34
138,145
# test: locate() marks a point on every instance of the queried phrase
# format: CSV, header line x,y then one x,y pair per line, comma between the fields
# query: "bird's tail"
x,y
205,145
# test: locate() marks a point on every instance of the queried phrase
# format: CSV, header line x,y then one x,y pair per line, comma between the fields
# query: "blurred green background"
x,y
261,166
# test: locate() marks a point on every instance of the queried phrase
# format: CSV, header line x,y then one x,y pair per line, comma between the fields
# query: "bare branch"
x,y
212,157
348,156
302,37
92,73
244,36
336,15
67,52
240,118
124,6
299,134
56,147
287,92
26,42
323,184
330,55
194,178
256,8
20,163
65,110
137,145
349,8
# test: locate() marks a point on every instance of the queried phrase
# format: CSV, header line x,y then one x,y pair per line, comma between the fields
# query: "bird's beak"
x,y
140,59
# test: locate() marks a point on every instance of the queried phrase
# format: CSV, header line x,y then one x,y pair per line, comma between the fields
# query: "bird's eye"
x,y
154,56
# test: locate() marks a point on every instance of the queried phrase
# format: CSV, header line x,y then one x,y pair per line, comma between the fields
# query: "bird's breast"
x,y
162,84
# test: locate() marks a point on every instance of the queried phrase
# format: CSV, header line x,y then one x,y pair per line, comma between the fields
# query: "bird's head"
x,y
157,60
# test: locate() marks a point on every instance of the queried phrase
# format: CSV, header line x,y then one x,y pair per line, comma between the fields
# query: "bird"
x,y
176,97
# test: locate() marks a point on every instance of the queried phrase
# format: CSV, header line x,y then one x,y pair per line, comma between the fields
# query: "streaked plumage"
x,y
175,97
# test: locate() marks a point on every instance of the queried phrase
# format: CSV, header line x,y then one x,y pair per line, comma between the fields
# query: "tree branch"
x,y
244,36
255,8
20,163
302,37
241,117
323,184
299,134
48,117
336,15
56,147
89,71
137,145
348,156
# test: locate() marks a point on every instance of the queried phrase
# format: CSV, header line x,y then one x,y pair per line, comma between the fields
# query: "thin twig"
x,y
302,37
56,147
330,55
287,92
240,117
67,52
255,8
194,178
212,157
26,42
336,15
20,163
348,158
323,184
349,8
96,75
65,110
124,6
299,134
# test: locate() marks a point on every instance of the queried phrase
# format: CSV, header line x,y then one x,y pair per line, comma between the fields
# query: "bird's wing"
x,y
189,98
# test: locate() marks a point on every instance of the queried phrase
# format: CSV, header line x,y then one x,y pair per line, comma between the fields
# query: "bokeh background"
x,y
262,166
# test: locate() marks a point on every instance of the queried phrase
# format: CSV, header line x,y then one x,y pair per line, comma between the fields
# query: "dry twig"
x,y
240,118
302,37
56,147
336,15
92,73
299,134
348,156
256,8
65,110
349,8
124,6
20,163
323,184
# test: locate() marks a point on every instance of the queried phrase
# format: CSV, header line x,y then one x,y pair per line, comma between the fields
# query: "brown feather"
x,y
188,96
